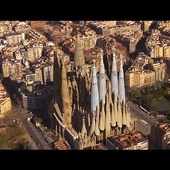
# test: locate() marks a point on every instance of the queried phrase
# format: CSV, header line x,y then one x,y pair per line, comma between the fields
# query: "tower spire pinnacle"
x,y
114,77
102,81
121,82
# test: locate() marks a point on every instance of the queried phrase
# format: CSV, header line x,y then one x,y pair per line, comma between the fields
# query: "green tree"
x,y
37,120
146,101
168,115
56,138
135,94
23,145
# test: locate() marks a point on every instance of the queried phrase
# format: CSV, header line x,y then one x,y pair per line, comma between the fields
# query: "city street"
x,y
141,115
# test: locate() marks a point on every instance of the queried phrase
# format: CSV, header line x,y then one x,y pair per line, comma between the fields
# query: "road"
x,y
33,132
140,114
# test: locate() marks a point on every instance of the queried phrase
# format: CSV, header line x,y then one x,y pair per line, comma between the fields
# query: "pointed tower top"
x,y
94,68
121,56
101,50
83,130
101,59
102,80
114,57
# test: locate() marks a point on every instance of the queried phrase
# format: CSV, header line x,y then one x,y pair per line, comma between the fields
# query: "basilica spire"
x,y
124,118
108,117
92,126
94,91
66,105
113,119
102,118
84,130
119,115
79,55
121,83
114,77
97,131
102,81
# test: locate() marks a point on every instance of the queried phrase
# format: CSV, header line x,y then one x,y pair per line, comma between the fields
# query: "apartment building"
x,y
37,99
160,136
14,39
139,78
145,71
38,75
47,73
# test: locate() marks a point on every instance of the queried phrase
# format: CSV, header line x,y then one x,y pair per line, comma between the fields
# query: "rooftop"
x,y
128,140
61,145
165,126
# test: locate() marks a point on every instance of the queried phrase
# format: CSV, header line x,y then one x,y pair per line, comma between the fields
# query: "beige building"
x,y
5,69
132,79
14,39
145,71
5,102
161,51
147,78
139,78
31,56
38,50
38,75
159,68
160,71
167,51
156,51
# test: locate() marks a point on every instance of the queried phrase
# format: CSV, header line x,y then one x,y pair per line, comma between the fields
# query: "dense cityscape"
x,y
85,85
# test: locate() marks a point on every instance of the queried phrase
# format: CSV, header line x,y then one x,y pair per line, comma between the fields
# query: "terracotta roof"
x,y
60,145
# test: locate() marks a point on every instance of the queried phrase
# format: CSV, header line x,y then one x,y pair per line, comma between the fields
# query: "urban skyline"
x,y
82,84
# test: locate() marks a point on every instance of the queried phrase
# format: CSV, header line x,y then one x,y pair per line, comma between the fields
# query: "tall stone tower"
x,y
94,91
66,105
78,55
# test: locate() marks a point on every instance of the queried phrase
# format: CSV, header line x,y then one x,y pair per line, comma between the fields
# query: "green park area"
x,y
162,105
153,98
